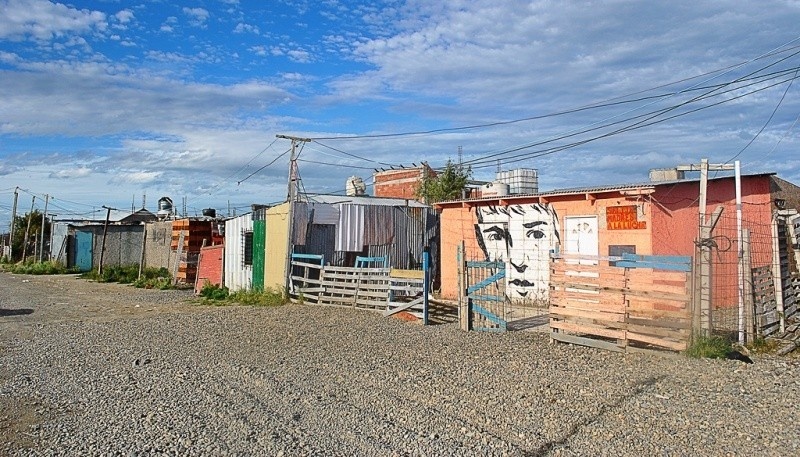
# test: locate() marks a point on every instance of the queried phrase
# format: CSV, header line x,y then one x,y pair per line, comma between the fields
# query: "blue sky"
x,y
102,102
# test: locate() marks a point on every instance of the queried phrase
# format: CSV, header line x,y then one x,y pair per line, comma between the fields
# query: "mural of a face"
x,y
522,237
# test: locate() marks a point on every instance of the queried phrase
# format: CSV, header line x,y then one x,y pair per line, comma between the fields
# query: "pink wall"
x,y
670,226
676,227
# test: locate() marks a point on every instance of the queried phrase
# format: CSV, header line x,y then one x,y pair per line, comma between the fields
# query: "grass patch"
x,y
39,268
710,347
216,295
763,346
151,278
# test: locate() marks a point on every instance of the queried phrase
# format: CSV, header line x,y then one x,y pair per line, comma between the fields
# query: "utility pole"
x,y
292,196
41,233
13,223
27,231
707,225
103,243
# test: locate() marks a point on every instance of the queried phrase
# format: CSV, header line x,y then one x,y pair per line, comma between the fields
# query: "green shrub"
x,y
711,347
213,291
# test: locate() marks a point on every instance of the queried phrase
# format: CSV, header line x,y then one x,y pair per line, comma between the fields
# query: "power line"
x,y
645,119
608,102
766,123
265,166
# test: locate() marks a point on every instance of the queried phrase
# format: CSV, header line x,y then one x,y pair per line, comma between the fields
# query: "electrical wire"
x,y
608,102
265,166
766,123
645,120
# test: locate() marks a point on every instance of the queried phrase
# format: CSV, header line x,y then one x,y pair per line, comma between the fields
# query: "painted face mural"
x,y
522,237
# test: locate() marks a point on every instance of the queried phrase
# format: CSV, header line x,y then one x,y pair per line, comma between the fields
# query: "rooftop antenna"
x,y
460,155
498,165
144,200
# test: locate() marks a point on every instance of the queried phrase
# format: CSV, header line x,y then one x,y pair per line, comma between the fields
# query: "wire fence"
x,y
751,272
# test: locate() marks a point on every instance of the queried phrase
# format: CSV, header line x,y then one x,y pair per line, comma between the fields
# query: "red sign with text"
x,y
624,218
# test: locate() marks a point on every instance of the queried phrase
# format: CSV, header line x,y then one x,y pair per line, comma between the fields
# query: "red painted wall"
x,y
676,227
209,267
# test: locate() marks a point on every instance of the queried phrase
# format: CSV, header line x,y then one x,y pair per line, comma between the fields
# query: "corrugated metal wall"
x,y
238,276
59,246
403,233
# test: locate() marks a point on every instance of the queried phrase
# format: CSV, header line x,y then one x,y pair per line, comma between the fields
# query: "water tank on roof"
x,y
355,186
210,212
494,189
164,207
520,180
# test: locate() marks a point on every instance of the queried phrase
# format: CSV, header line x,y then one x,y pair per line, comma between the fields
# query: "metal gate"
x,y
483,301
83,250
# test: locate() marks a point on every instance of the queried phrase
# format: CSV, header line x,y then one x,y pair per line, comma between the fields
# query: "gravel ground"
x,y
98,369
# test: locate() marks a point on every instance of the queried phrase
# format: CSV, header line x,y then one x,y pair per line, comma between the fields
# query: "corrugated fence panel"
x,y
237,275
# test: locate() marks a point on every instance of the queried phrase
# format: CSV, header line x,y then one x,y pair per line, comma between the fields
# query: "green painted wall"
x,y
259,252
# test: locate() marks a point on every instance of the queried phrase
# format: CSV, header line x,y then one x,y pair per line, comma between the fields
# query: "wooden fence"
x,y
382,289
634,305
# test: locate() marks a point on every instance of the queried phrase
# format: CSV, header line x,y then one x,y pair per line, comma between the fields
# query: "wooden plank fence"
x,y
383,289
641,303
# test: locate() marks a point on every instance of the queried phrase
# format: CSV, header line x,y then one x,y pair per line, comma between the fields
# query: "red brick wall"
x,y
397,183
209,267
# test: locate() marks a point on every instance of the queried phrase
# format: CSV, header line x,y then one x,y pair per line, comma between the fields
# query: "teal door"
x,y
83,250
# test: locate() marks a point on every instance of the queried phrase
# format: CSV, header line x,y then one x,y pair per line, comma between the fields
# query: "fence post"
x,y
425,286
747,272
463,299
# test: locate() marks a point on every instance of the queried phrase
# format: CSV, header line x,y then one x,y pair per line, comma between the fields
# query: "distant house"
x,y
78,242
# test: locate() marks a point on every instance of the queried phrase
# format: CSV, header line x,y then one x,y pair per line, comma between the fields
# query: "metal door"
x,y
83,250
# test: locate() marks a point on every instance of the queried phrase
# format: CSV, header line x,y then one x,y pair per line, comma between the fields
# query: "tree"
x,y
20,225
445,185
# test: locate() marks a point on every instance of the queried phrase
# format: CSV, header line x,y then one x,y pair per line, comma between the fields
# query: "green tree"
x,y
20,225
445,185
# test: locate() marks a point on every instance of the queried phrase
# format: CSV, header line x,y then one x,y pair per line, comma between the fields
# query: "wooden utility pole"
x,y
27,231
13,223
292,197
41,232
103,243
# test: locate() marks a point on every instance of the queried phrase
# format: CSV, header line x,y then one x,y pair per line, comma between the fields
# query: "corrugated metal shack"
x,y
344,227
78,242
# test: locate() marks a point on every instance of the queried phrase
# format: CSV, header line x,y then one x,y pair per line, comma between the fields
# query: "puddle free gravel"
x,y
107,369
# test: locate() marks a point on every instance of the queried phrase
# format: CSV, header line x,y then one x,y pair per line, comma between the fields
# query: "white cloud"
x,y
245,28
72,173
197,16
299,55
125,16
137,177
43,20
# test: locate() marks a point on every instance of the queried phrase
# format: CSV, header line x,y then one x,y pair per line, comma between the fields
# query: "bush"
x,y
214,292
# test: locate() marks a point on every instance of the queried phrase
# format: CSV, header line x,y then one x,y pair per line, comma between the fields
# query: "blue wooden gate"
x,y
83,250
485,295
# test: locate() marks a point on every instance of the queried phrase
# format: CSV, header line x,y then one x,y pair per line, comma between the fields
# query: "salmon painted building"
x,y
650,218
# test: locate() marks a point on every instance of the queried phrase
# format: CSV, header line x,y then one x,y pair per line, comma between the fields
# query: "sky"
x,y
119,103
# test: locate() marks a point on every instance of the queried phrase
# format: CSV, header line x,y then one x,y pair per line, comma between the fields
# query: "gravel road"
x,y
99,369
